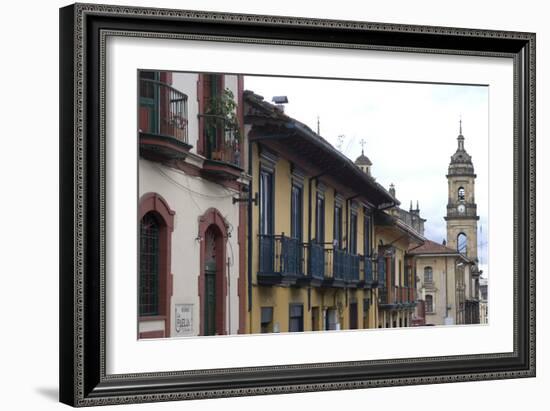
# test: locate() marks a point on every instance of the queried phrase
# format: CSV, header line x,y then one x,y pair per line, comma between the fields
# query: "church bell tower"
x,y
461,206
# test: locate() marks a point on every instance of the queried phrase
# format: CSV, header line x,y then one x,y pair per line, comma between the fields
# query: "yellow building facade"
x,y
397,296
318,259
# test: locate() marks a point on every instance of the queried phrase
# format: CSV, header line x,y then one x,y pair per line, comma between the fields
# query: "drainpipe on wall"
x,y
228,295
348,233
249,223
446,289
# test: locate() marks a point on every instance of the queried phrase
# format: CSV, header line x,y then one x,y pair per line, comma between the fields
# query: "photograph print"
x,y
285,204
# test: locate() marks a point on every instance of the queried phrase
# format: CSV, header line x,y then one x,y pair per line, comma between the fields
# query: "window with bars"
x,y
149,266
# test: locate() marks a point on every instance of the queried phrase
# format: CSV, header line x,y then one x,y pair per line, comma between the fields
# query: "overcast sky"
x,y
410,132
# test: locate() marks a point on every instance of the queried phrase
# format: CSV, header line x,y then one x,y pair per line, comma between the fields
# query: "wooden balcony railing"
x,y
313,267
279,259
284,260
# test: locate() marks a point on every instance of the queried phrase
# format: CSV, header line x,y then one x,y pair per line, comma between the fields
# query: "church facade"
x,y
448,273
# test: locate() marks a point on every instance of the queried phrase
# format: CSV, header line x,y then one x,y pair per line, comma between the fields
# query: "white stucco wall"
x,y
190,197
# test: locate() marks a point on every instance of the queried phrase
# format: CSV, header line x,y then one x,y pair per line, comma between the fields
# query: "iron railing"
x,y
162,110
221,141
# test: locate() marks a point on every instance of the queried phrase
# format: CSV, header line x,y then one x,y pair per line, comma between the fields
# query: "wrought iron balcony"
x,y
163,123
280,260
221,146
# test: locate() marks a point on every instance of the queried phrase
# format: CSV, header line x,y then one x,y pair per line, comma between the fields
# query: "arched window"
x,y
461,193
462,243
429,303
149,266
154,288
428,275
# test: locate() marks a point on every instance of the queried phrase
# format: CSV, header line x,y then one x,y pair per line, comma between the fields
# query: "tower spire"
x,y
362,142
460,136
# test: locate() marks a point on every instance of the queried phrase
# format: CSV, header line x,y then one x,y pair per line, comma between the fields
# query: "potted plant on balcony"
x,y
225,135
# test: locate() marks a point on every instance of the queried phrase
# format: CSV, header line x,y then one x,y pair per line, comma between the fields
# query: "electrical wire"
x,y
177,183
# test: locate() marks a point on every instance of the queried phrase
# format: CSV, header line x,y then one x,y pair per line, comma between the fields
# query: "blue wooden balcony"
x,y
368,279
341,268
280,260
313,264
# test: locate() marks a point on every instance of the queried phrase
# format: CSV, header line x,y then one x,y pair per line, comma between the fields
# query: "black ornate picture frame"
x,y
84,29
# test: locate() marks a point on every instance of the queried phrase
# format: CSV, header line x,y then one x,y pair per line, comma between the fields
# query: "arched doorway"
x,y
213,281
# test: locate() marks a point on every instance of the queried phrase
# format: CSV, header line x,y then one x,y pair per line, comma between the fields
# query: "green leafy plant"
x,y
224,106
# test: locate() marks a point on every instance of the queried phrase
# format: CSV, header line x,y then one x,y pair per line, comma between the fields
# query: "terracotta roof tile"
x,y
431,247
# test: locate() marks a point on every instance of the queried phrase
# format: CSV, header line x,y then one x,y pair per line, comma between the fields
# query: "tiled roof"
x,y
431,247
297,136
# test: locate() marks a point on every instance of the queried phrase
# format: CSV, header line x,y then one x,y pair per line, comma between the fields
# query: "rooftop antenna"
x,y
340,141
318,126
348,145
